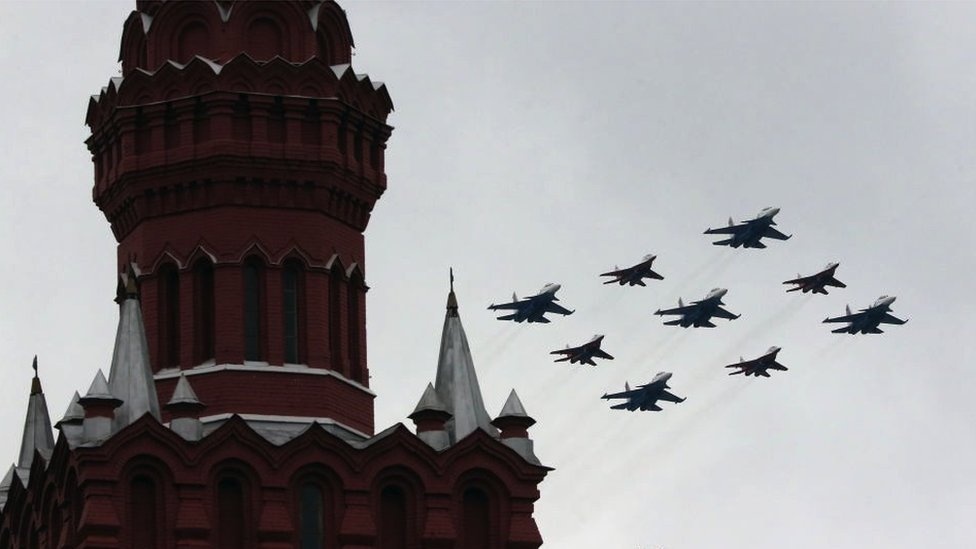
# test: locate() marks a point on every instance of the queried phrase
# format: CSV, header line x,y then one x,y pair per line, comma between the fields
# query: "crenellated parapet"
x,y
149,480
310,131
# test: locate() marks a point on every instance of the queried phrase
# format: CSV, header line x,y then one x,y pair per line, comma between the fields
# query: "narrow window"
x,y
276,121
231,514
355,360
203,310
252,311
171,133
311,130
393,530
291,285
142,509
241,125
312,517
142,131
201,122
335,319
476,528
169,317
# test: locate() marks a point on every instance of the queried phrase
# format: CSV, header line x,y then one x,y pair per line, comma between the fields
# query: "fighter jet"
x,y
699,313
645,397
816,282
533,308
635,275
584,353
759,366
748,233
867,321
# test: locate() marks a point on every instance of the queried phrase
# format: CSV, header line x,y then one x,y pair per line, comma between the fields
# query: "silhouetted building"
x,y
237,159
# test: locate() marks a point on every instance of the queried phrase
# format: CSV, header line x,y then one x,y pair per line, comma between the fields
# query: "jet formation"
x,y
635,275
645,397
699,313
868,320
585,353
749,233
758,366
533,308
817,283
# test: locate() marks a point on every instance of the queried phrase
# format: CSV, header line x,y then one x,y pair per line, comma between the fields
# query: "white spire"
x,y
131,377
513,407
38,435
457,382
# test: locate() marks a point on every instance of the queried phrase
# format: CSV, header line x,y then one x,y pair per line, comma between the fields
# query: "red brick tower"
x,y
238,158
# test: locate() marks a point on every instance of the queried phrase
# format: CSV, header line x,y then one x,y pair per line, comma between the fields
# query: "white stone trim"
x,y
301,369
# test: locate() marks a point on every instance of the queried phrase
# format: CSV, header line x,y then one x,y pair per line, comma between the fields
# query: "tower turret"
x,y
237,159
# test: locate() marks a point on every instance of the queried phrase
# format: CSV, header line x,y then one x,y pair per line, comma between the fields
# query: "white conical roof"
x,y
183,394
131,377
513,407
429,401
457,382
75,411
38,435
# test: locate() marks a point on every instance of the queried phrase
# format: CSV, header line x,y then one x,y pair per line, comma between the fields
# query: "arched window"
x,y
232,514
393,525
335,319
292,286
204,315
253,281
312,516
476,519
143,506
355,287
168,328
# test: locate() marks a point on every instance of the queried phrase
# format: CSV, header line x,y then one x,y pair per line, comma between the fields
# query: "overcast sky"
x,y
547,142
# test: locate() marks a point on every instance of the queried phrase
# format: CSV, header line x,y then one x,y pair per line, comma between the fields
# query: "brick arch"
x,y
491,527
333,37
330,487
145,490
171,35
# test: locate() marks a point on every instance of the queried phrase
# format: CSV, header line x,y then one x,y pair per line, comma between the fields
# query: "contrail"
x,y
711,269
784,313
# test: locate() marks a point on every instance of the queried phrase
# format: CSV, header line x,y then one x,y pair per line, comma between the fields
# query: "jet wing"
x,y
801,280
619,272
722,313
777,366
846,318
624,394
509,305
731,229
553,307
600,353
889,318
567,351
835,282
669,397
683,310
774,234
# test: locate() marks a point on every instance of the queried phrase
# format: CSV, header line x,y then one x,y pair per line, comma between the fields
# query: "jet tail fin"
x,y
680,303
848,309
730,222
626,386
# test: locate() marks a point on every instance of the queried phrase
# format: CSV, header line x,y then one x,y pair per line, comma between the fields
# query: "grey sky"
x,y
546,142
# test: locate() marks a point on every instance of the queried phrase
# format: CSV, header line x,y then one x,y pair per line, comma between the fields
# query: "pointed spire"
x,y
514,424
452,304
185,408
430,417
99,404
70,424
38,435
513,407
131,377
457,382
429,402
5,484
